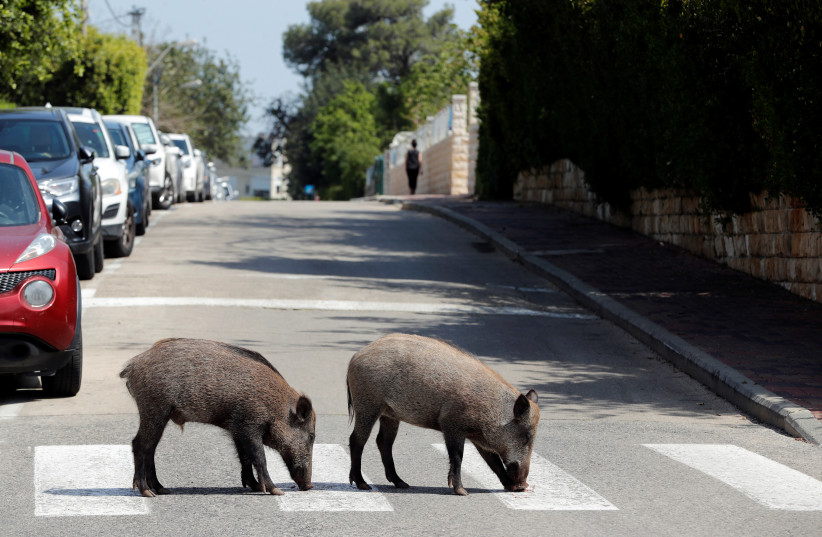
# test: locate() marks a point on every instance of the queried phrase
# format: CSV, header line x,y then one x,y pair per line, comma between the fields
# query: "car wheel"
x,y
123,246
85,264
140,228
99,255
165,199
66,381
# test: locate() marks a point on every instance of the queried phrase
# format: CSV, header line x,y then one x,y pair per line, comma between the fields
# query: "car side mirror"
x,y
122,152
86,155
150,149
59,212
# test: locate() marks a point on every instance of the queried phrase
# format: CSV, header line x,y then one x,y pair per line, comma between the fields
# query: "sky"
x,y
248,31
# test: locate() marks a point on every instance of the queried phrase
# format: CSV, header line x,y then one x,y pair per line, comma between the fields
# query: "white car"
x,y
162,185
193,168
119,227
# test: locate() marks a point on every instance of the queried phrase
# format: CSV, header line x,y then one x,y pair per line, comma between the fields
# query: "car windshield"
x,y
91,135
18,201
182,145
36,140
143,133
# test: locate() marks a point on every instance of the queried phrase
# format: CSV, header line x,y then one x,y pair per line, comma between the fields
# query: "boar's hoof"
x,y
461,492
147,493
400,484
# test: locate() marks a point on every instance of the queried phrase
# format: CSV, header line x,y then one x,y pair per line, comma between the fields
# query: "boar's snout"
x,y
302,476
518,473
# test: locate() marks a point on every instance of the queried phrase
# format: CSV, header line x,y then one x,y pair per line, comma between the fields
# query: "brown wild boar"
x,y
429,383
233,388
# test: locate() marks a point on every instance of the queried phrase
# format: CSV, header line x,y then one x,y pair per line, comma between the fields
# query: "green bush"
x,y
716,96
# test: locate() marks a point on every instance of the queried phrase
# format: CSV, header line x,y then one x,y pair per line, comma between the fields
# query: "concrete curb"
x,y
718,377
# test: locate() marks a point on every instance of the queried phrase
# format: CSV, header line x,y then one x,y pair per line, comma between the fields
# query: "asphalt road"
x,y
627,445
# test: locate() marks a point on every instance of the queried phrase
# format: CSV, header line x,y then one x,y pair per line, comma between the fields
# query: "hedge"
x,y
721,97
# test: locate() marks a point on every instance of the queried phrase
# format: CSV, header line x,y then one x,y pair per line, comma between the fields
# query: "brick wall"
x,y
779,241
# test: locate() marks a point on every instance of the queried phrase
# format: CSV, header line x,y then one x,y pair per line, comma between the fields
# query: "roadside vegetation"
x,y
720,97
46,56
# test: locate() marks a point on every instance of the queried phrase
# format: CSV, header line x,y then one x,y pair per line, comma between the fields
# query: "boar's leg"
x,y
455,445
495,462
143,447
385,442
246,472
362,430
252,454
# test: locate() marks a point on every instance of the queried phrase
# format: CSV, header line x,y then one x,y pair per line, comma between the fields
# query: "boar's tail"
x,y
124,374
350,405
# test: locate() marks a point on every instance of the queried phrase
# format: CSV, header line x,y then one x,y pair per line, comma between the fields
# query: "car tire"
x,y
165,198
85,264
141,227
123,246
99,255
66,381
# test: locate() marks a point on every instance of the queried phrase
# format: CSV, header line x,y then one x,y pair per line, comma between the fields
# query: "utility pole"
x,y
137,14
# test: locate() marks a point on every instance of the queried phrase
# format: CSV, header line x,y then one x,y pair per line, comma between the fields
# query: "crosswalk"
x,y
91,480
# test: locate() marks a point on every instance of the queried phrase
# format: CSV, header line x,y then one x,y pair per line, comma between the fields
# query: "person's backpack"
x,y
412,161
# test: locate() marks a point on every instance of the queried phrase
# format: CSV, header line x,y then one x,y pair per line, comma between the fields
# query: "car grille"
x,y
9,280
111,211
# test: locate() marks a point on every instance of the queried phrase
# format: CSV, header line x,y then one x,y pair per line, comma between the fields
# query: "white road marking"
x,y
84,481
767,482
327,305
331,491
551,488
10,411
87,293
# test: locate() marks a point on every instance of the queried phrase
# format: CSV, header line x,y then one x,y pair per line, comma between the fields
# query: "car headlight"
x,y
38,293
42,245
60,187
111,187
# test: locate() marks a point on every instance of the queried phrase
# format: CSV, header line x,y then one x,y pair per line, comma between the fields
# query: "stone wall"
x,y
779,241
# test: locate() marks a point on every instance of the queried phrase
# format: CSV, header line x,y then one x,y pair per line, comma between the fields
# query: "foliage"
x,y
385,46
37,36
212,112
716,96
345,140
106,75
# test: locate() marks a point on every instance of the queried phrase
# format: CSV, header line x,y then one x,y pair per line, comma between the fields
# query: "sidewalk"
x,y
751,341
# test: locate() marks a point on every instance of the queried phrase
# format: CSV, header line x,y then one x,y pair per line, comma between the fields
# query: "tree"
x,y
211,112
37,36
386,46
345,139
107,75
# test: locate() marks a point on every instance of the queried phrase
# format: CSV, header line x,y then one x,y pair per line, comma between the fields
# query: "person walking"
x,y
413,166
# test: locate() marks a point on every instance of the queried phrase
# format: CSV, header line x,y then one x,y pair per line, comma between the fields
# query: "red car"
x,y
40,331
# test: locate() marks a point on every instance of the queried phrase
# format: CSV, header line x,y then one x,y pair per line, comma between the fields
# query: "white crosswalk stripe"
x,y
551,488
767,482
85,481
329,475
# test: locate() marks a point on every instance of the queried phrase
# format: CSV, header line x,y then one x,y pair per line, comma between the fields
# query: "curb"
x,y
718,377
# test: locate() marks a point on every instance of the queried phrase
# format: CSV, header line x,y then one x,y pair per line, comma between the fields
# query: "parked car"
x,y
40,329
193,173
161,183
64,170
210,180
118,213
139,193
174,166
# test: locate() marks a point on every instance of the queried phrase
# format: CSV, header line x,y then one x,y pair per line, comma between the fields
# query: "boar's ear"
x,y
521,407
532,396
302,410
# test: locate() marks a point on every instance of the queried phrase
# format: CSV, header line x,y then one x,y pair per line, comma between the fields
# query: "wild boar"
x,y
430,383
185,380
